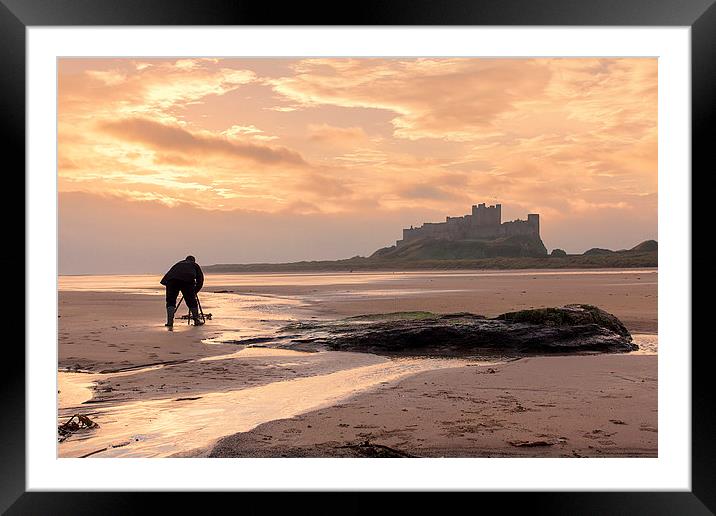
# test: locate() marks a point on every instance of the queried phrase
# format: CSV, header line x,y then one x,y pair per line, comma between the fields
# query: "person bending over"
x,y
186,277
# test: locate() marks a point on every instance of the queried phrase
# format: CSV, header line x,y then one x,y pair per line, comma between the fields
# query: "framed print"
x,y
413,250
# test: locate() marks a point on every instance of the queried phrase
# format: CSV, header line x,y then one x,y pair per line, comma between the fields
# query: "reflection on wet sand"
x,y
167,426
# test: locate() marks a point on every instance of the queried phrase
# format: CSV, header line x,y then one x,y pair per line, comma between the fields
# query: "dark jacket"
x,y
185,271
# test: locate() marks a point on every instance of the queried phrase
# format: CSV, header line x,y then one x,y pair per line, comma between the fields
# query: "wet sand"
x,y
114,331
198,385
630,295
596,406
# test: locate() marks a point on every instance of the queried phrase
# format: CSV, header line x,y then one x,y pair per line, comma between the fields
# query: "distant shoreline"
x,y
616,260
371,271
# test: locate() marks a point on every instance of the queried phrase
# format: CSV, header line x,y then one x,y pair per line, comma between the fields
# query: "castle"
x,y
485,222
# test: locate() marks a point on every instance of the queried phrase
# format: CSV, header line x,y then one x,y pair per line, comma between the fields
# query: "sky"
x,y
270,160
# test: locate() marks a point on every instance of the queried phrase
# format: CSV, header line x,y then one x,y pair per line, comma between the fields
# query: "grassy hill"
x,y
646,246
433,249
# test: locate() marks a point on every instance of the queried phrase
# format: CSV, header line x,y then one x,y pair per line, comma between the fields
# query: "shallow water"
x,y
156,428
143,282
648,343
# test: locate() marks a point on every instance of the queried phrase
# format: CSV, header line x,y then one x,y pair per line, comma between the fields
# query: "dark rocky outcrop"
x,y
441,249
569,329
570,315
558,252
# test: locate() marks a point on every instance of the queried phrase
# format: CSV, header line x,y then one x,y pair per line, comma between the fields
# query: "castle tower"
x,y
533,220
478,214
483,215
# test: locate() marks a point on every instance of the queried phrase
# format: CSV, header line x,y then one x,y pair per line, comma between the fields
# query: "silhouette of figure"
x,y
186,277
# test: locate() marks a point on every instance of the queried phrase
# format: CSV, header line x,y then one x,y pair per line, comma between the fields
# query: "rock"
x,y
569,329
569,315
558,252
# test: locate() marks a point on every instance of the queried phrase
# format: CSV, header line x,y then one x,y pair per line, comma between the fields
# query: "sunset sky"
x,y
269,160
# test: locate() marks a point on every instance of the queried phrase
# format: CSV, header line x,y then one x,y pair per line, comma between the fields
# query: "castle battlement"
x,y
484,222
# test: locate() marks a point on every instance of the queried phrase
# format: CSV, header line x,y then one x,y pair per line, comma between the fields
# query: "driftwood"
x,y
74,424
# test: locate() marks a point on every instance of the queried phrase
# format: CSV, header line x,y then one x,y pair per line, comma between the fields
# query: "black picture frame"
x,y
17,15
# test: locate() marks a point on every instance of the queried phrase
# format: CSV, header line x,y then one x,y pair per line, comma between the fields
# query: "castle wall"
x,y
484,232
519,227
484,222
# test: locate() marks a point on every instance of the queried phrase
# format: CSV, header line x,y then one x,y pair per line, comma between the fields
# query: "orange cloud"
x,y
176,139
325,133
432,98
123,87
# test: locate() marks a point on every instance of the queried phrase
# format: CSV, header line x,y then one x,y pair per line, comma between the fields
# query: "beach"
x,y
227,389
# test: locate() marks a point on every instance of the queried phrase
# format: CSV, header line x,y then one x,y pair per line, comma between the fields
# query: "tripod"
x,y
188,317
